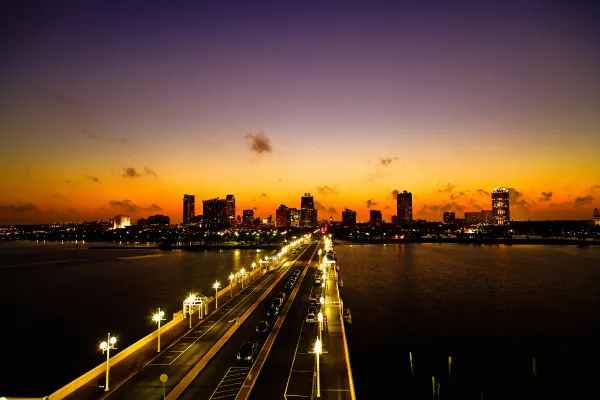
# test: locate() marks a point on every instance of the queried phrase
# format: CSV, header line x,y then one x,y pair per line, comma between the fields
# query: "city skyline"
x,y
102,116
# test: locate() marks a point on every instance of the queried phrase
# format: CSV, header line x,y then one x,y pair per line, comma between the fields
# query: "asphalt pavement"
x,y
277,370
223,377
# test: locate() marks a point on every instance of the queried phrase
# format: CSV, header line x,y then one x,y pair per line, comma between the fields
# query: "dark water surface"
x,y
492,308
58,304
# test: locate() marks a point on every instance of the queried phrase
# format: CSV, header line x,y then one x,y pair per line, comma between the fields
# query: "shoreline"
x,y
489,242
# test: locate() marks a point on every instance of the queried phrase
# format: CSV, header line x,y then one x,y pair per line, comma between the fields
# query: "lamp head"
x,y
113,340
103,346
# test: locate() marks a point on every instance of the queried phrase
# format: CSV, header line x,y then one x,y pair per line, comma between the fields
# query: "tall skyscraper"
x,y
375,217
294,217
248,217
404,208
214,213
282,217
449,217
159,219
230,210
349,218
189,208
501,206
308,214
596,217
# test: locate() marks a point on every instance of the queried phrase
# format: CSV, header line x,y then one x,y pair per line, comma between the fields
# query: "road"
x,y
177,360
222,378
290,351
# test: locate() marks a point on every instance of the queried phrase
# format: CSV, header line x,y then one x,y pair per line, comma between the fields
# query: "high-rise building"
x,y
596,217
122,221
294,217
394,219
230,210
375,217
282,217
214,213
501,206
472,218
159,219
248,217
404,207
308,214
449,217
189,208
349,218
486,217
142,222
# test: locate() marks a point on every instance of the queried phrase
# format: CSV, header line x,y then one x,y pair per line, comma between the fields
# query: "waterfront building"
x,y
375,217
160,220
282,217
404,208
214,212
142,222
122,221
394,219
308,213
449,217
189,208
486,217
248,217
501,206
472,218
294,217
230,199
349,218
596,218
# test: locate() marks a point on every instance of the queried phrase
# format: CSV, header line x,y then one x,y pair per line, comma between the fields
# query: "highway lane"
x,y
178,359
273,379
222,378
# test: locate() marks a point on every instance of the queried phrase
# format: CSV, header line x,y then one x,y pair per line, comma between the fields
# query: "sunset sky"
x,y
110,109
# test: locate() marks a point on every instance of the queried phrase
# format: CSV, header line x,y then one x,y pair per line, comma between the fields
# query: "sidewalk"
x,y
335,375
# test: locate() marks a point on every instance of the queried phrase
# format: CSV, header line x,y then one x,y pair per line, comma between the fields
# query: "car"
x,y
296,272
318,280
289,285
273,311
277,302
247,352
262,327
312,303
280,295
312,310
312,297
310,317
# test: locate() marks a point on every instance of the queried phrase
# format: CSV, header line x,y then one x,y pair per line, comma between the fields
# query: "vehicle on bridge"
x,y
310,317
273,311
262,327
247,352
280,295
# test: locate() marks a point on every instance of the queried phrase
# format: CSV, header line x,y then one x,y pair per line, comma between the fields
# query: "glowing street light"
x,y
318,350
242,273
159,317
216,286
253,266
106,348
231,283
320,318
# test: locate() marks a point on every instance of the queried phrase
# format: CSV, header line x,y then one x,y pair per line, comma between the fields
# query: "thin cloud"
x,y
326,190
483,192
386,161
263,195
150,172
20,208
447,188
371,203
255,208
130,173
546,196
437,208
71,211
155,207
124,205
579,201
92,178
517,198
456,196
332,210
394,194
259,142
320,206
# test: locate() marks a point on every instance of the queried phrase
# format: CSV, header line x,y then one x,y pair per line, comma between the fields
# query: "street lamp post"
x,y
106,347
253,266
318,350
320,318
242,273
320,252
216,286
159,317
231,283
